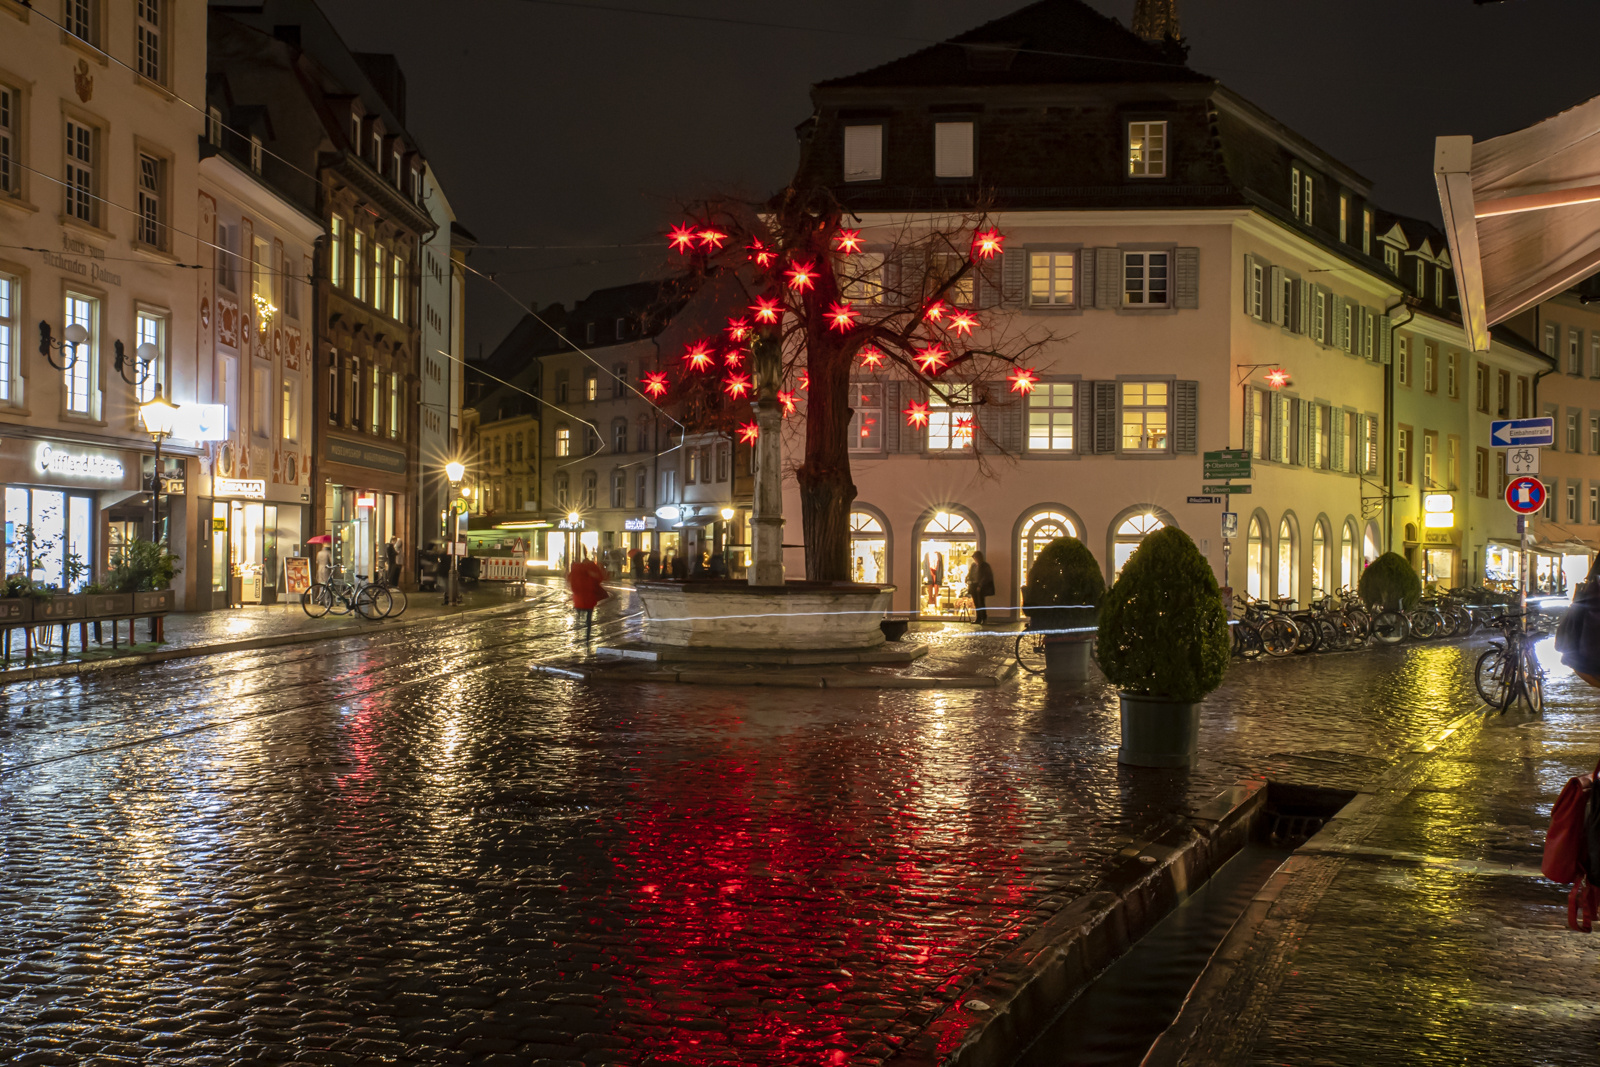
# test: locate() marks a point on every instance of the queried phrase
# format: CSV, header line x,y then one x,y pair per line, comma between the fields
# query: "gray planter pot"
x,y
150,603
105,605
1157,732
1061,618
15,610
60,607
1066,659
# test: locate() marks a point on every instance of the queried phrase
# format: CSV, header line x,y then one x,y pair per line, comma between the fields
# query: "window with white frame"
x,y
617,486
590,484
1575,352
378,255
1430,367
862,277
1369,445
1349,327
1145,416
943,266
1452,375
147,31
640,481
10,305
1344,218
1050,411
1294,191
1052,279
10,167
1305,200
1147,149
950,422
1366,230
150,328
1594,502
1391,258
397,290
1572,502
1288,315
863,153
257,153
261,402
1368,329
358,265
78,378
952,150
1144,279
79,186
563,441
1258,291
1402,359
336,251
1319,317
1422,279
396,395
866,417
1573,441
151,230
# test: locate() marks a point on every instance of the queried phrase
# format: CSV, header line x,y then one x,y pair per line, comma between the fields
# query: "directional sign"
x,y
1225,489
1522,460
1525,495
1205,500
1230,463
1534,433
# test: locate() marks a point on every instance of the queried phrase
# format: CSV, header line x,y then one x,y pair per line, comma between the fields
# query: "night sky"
x,y
551,125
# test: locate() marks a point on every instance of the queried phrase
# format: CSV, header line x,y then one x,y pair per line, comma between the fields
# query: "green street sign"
x,y
1227,468
1225,455
1235,490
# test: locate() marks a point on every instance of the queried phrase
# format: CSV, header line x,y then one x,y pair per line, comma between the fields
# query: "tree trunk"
x,y
826,489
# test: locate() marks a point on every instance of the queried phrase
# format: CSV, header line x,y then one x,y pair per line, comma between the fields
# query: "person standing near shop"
x,y
980,586
587,581
324,563
391,562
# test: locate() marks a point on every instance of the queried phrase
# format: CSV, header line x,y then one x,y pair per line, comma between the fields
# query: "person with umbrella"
x,y
586,579
324,543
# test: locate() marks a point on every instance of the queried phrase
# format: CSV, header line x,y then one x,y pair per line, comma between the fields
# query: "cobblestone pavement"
x,y
403,848
1419,930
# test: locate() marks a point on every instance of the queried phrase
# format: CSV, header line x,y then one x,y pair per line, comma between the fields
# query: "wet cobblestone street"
x,y
405,849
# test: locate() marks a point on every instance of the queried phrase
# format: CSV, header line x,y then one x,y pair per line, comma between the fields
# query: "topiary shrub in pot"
x,y
1164,644
1064,591
1389,583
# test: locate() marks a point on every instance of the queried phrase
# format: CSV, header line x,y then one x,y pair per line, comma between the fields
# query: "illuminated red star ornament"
x,y
962,322
786,398
698,356
738,329
935,311
1023,379
767,310
841,316
802,275
805,381
871,356
847,242
711,239
932,359
655,385
1277,377
682,239
734,356
917,414
963,428
760,254
986,244
736,385
748,433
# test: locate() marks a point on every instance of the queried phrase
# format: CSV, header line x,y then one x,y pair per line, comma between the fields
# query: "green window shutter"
x,y
1107,436
1014,277
1186,278
893,417
1279,446
1336,327
1302,320
1385,341
1084,295
1279,313
1186,418
989,273
1108,277
1249,285
1336,439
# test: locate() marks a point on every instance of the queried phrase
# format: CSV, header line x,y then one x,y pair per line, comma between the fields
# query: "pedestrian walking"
x,y
586,579
636,564
980,586
391,562
653,563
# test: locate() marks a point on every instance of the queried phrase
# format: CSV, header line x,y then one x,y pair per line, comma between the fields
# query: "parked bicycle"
x,y
341,597
1510,669
1262,628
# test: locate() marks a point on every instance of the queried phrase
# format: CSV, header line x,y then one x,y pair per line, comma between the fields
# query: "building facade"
x,y
443,340
98,222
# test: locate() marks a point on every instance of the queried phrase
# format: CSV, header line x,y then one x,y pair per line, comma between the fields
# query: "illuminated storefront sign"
x,y
248,488
57,461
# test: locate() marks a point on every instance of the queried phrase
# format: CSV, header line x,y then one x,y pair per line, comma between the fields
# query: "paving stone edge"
x,y
1003,1011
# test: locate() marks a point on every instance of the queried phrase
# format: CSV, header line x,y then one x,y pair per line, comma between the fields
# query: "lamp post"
x,y
158,417
455,471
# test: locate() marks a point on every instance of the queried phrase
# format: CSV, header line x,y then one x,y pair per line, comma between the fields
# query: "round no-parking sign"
x,y
1525,495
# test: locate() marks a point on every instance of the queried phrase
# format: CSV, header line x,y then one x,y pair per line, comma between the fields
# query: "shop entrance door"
x,y
944,552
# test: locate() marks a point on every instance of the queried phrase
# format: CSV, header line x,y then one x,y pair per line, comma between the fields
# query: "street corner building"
x,y
1203,278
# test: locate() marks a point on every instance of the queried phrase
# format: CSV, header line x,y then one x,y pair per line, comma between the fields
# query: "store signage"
x,y
366,500
359,454
1230,524
53,459
569,524
201,422
249,488
646,523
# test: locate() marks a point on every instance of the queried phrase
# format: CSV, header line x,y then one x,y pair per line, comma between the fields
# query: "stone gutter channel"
x,y
1001,1013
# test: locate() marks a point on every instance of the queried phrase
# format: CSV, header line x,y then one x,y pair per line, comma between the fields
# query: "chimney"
x,y
1157,20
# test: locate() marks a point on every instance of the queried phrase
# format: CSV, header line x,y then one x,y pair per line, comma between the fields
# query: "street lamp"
x,y
455,470
158,417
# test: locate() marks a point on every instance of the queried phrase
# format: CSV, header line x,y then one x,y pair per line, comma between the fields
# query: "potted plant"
x,y
1388,587
145,570
16,603
104,603
1164,645
1064,591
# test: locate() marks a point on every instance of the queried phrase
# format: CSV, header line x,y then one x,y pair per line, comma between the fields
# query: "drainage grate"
x,y
1293,813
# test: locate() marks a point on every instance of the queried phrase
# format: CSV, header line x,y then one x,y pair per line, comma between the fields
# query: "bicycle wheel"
x,y
1249,640
374,603
1492,678
1030,652
317,600
1360,624
1279,636
399,602
1532,682
1389,627
1329,636
1306,636
1424,624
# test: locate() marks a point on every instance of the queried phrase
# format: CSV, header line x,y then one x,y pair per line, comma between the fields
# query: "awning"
x,y
1522,212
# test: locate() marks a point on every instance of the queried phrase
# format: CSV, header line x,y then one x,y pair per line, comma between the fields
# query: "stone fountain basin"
x,y
729,613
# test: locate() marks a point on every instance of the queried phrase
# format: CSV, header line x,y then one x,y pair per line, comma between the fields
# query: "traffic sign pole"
x,y
1526,568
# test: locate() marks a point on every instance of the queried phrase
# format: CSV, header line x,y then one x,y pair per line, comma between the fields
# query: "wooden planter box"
x,y
15,609
104,605
151,603
59,608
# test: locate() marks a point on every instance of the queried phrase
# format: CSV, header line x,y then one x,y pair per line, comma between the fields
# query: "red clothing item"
x,y
584,579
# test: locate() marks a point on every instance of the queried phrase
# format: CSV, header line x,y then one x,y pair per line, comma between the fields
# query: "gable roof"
x,y
1049,42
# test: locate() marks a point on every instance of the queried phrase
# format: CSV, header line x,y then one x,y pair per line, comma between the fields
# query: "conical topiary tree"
x,y
1065,585
1163,630
1389,583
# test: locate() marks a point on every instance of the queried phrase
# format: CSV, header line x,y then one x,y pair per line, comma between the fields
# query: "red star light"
x,y
698,355
1023,380
935,311
710,238
767,310
848,242
805,381
736,385
738,329
801,276
1277,377
733,356
655,385
682,239
932,358
872,356
786,398
962,322
963,429
748,433
917,414
987,244
760,254
841,316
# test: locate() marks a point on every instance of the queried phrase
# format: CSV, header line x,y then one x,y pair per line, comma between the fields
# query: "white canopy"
x,y
1523,214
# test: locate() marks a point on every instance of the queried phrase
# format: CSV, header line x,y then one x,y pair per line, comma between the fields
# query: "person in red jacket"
x,y
586,579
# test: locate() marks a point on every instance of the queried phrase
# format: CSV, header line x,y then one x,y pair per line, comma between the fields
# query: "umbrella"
x,y
320,539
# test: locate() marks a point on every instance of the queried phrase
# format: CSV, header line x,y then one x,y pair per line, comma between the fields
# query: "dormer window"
x,y
1438,286
214,126
1306,200
1147,149
1422,279
1344,218
952,149
863,153
1294,191
377,148
355,130
394,166
1391,258
255,153
1366,230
